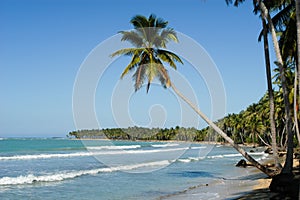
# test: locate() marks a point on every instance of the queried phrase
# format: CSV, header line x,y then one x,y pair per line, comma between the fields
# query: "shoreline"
x,y
250,145
253,185
236,188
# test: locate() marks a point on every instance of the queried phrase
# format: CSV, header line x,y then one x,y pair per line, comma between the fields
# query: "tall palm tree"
x,y
149,37
288,166
270,94
264,11
269,80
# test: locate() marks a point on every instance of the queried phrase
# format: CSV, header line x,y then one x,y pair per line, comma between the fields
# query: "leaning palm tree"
x,y
149,38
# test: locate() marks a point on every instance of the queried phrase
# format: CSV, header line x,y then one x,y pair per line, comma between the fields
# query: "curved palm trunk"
x,y
288,166
224,135
271,96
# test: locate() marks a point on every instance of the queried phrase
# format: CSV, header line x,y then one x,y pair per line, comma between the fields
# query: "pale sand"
x,y
263,183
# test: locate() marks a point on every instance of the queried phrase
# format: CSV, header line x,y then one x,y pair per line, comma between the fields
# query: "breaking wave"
x,y
61,176
88,153
164,145
115,147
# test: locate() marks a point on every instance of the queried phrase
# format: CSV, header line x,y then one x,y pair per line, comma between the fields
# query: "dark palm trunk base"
x,y
287,185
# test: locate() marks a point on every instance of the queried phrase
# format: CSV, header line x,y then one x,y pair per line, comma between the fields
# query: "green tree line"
x,y
252,125
141,133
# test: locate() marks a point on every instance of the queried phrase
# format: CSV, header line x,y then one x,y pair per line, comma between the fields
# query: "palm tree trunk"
x,y
298,52
271,96
295,106
224,135
242,138
288,166
263,141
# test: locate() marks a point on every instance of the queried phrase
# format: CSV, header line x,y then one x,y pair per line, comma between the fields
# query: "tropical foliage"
x,y
252,125
141,133
283,28
149,38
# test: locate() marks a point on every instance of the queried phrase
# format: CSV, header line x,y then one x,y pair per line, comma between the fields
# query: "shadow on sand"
x,y
261,194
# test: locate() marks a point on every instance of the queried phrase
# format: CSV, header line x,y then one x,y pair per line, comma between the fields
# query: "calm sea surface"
x,y
72,169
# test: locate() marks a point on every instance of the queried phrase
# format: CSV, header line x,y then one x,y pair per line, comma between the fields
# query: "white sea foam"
x,y
164,145
114,147
184,160
97,152
189,159
264,155
88,153
44,156
157,150
31,178
203,147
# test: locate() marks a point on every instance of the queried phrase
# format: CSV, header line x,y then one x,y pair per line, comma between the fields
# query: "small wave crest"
x,y
44,156
190,159
203,147
89,153
164,145
31,178
238,155
114,147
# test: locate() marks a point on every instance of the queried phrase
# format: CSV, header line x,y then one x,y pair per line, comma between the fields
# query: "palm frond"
x,y
288,40
158,42
161,23
166,58
127,51
163,76
279,20
235,3
139,21
139,77
133,63
169,34
151,73
150,34
166,35
151,20
132,37
169,57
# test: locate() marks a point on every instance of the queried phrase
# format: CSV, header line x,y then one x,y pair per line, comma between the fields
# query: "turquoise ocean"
x,y
58,168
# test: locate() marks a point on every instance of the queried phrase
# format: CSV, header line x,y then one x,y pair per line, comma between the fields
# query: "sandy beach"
x,y
255,186
235,188
250,187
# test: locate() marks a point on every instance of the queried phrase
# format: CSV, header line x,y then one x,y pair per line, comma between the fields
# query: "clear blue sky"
x,y
44,42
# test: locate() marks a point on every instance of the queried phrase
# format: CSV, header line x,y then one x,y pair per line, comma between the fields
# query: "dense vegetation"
x,y
140,133
252,125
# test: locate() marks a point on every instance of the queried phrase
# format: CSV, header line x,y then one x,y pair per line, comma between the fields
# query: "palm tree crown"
x,y
149,38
